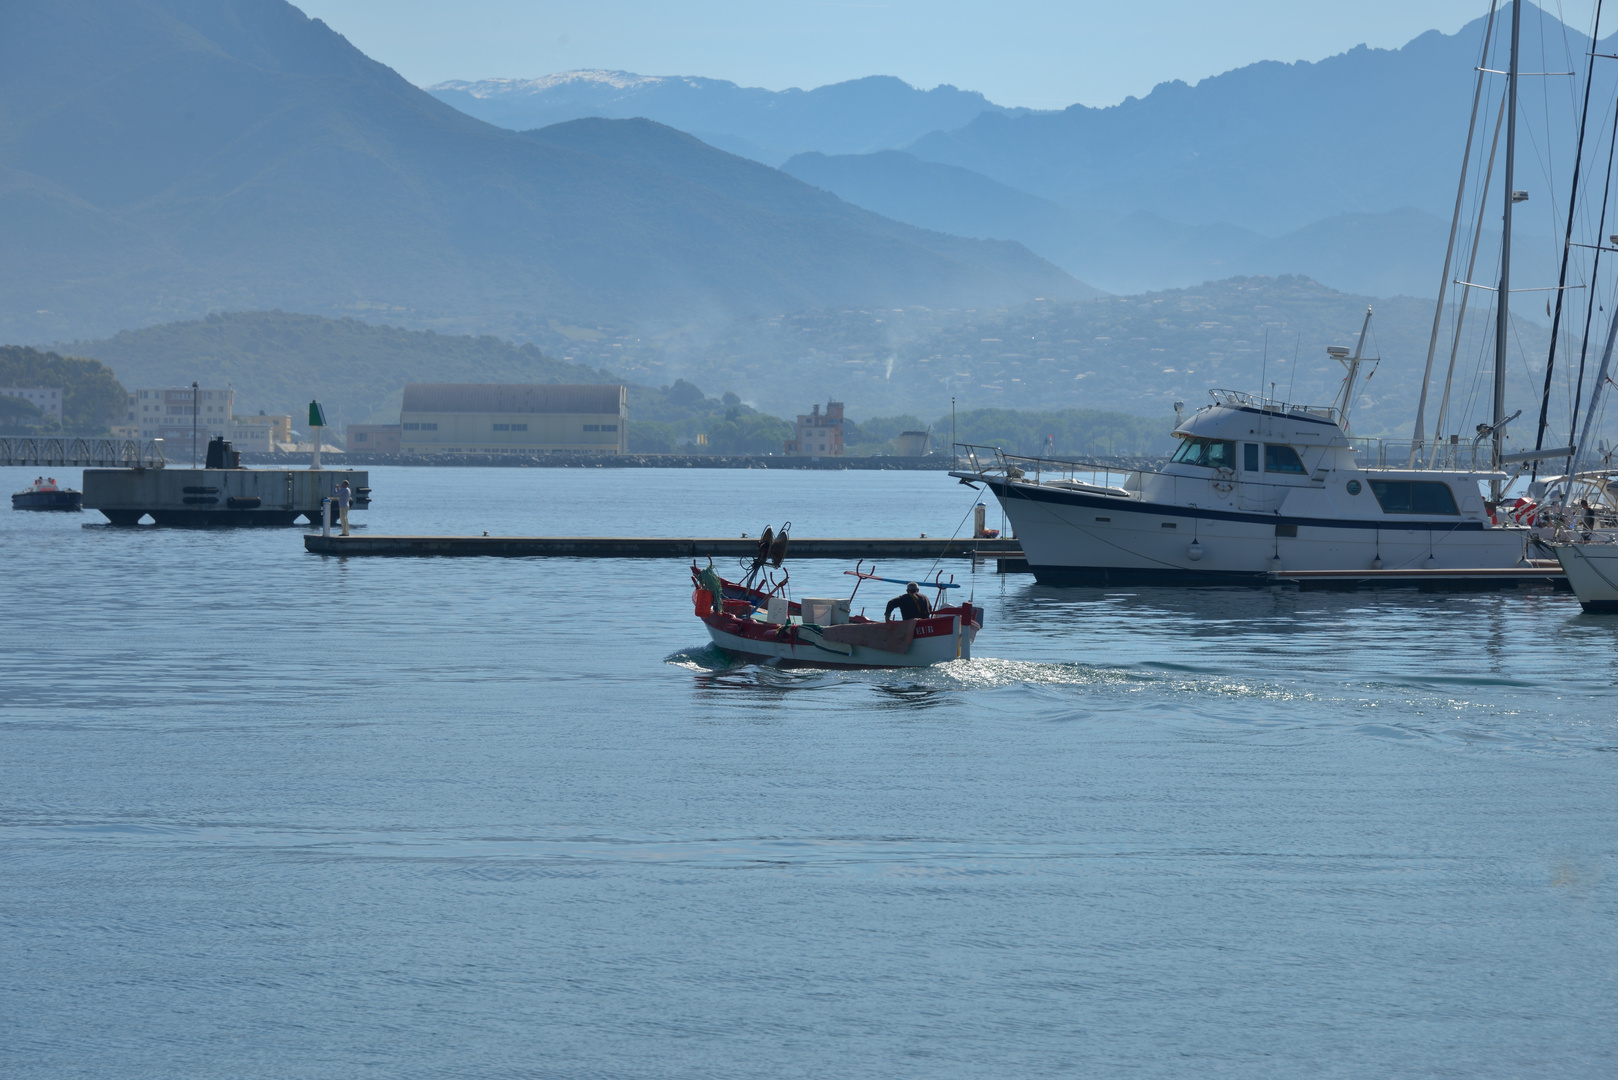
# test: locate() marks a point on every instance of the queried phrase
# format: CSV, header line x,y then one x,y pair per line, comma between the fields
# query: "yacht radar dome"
x,y
1337,352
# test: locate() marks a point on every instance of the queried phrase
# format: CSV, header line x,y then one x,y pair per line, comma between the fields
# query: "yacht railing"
x,y
992,462
1240,399
1450,456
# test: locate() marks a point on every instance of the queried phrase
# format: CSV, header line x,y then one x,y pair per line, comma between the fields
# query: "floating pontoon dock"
x,y
1538,574
655,547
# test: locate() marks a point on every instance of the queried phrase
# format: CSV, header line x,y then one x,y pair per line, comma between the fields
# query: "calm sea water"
x,y
266,814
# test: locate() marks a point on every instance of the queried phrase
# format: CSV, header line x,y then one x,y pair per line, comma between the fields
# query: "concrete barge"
x,y
1537,574
202,498
653,547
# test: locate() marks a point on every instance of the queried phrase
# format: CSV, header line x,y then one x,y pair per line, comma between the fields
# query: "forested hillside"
x,y
92,397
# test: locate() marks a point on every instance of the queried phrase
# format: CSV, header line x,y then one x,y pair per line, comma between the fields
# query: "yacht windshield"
x,y
1214,453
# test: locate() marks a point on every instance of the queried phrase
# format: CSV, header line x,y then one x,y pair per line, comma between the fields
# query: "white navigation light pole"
x,y
317,420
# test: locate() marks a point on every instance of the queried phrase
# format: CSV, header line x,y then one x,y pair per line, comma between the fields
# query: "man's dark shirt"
x,y
910,605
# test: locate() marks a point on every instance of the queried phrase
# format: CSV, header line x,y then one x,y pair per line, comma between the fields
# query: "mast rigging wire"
x,y
1567,239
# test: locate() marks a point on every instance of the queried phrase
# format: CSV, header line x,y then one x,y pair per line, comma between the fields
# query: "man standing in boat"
x,y
911,604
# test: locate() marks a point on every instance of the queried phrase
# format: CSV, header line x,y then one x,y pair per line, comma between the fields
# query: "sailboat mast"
x,y
1567,241
1502,323
1418,440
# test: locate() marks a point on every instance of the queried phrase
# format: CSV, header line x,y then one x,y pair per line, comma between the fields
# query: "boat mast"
x,y
1353,365
1591,306
1502,321
1420,436
1466,288
1567,242
1583,444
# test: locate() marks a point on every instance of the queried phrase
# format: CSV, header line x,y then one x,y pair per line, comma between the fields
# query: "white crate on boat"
x,y
824,612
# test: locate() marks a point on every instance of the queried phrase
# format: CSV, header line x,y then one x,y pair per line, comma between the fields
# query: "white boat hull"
x,y
924,651
1076,538
1592,571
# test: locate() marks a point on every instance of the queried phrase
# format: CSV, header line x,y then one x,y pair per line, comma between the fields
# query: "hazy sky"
x,y
1038,53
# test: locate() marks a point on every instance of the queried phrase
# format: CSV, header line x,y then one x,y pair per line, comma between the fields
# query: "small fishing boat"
x,y
757,621
44,494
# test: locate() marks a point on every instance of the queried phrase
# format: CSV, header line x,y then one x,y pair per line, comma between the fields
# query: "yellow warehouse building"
x,y
513,418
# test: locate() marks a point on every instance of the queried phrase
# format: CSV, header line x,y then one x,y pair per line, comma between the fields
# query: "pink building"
x,y
820,434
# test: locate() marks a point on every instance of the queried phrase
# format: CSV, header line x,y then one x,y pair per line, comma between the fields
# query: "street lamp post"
x,y
194,395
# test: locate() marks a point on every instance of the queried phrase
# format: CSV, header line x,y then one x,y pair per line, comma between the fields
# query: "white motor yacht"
x,y
1259,486
1255,486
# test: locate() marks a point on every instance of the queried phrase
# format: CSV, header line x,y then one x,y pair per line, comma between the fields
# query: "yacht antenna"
x,y
1502,306
1263,370
1353,365
1567,244
1420,436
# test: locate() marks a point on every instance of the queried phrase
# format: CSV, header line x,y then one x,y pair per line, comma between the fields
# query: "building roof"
x,y
510,398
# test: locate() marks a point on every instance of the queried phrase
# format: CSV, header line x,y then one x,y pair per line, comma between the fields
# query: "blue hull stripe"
x,y
1010,493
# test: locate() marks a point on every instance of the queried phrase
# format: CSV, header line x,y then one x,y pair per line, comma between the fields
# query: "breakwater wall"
x,y
930,463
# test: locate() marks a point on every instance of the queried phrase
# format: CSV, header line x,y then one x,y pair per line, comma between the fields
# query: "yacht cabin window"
x,y
1214,453
1414,497
1279,458
1250,457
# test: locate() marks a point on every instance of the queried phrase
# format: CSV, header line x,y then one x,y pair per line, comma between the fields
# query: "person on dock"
x,y
345,496
910,604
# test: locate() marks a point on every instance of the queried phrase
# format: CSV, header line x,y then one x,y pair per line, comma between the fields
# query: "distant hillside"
x,y
164,158
1387,254
1136,354
766,125
277,361
1017,431
92,397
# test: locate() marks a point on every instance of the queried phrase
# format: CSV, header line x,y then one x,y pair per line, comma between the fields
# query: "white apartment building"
x,y
167,414
260,434
44,398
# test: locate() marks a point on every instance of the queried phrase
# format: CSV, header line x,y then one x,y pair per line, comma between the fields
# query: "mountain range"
x,y
1342,169
1398,252
854,117
165,158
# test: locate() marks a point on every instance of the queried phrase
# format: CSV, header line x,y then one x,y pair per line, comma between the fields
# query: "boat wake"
x,y
1431,709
